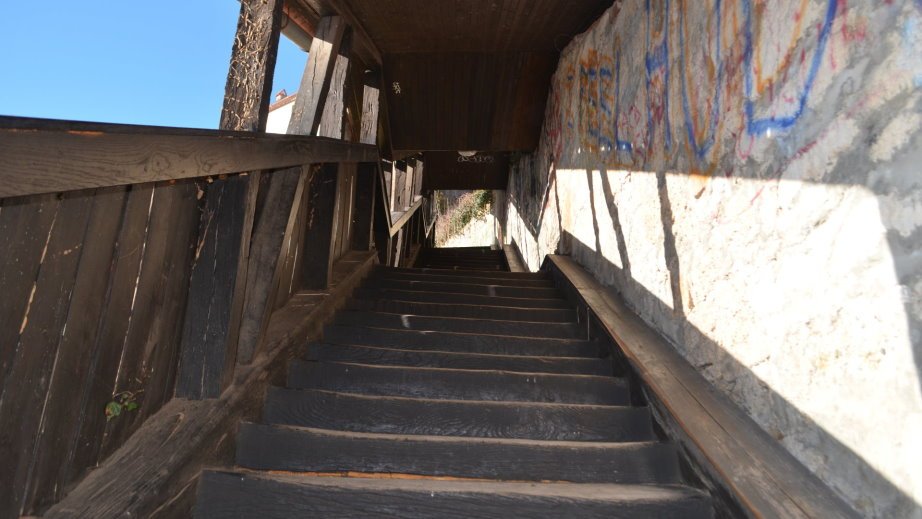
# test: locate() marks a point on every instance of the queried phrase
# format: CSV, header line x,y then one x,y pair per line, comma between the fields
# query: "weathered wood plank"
x,y
363,214
107,350
318,232
370,110
25,226
730,449
32,368
458,384
165,456
397,321
457,360
51,156
75,353
152,343
297,449
242,493
395,415
333,114
315,83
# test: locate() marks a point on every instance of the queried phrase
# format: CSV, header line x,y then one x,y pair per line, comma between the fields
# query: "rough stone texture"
x,y
747,175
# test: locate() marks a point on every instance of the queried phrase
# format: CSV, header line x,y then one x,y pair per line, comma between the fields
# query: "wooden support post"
x,y
382,219
217,285
370,110
285,192
315,84
363,215
317,264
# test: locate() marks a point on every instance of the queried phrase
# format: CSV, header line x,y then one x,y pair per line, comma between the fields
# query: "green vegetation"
x,y
455,214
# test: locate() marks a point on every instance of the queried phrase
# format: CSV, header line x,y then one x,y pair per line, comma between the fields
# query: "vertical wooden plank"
x,y
62,408
153,337
333,120
370,110
316,266
271,266
33,365
25,227
107,349
219,273
266,258
315,83
363,214
382,220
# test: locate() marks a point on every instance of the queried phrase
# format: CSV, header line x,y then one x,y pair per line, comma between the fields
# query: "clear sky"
x,y
159,62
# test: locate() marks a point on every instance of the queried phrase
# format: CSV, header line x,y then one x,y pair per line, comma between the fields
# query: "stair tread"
x,y
380,319
461,273
465,288
469,311
474,418
408,294
468,280
458,360
457,384
460,342
226,494
304,449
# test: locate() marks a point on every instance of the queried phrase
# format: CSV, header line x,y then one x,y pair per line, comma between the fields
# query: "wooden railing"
x,y
48,156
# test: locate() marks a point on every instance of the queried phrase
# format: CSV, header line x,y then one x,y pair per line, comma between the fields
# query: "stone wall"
x,y
748,174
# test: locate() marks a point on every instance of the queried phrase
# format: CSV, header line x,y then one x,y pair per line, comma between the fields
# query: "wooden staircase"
x,y
463,258
467,392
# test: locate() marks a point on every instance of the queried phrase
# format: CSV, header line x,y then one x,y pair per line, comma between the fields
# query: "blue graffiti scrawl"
x,y
657,59
702,148
758,126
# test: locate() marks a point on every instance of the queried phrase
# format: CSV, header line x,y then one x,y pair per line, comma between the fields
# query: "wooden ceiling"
x,y
472,74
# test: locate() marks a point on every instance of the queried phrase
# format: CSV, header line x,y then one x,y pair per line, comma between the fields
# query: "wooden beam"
x,y
364,40
363,215
217,286
333,120
49,156
737,460
315,83
318,233
370,110
402,219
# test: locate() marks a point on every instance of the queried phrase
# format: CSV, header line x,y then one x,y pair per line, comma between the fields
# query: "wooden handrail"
x,y
405,216
48,156
726,447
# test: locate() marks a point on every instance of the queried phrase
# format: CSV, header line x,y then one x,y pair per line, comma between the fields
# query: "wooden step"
x,y
453,360
236,494
300,449
459,342
473,279
458,325
462,274
462,266
503,313
398,415
458,384
464,288
461,299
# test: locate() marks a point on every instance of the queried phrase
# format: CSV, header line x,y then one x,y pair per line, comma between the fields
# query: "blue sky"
x,y
160,62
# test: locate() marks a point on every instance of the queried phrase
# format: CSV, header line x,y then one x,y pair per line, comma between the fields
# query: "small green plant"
x,y
121,402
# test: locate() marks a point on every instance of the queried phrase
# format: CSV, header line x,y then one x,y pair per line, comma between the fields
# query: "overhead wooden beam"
x,y
364,40
49,156
315,84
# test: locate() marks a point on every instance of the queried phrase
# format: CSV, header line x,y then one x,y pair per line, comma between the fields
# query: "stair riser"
x,y
461,288
468,280
500,313
460,299
437,341
357,413
430,359
230,496
459,385
474,326
461,274
301,450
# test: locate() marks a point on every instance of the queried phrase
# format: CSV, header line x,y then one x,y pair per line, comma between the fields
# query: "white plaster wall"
x,y
747,174
278,119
